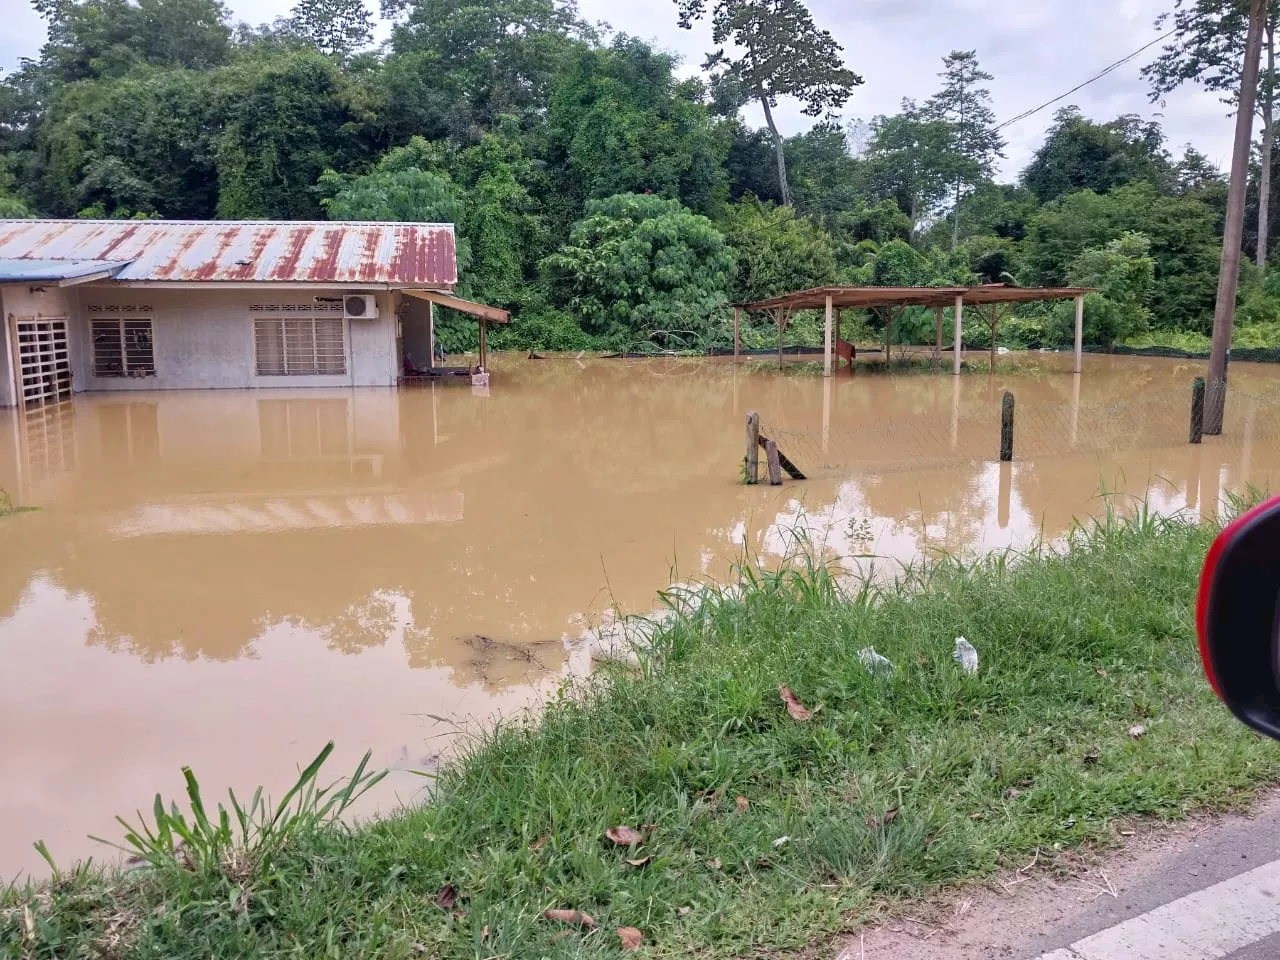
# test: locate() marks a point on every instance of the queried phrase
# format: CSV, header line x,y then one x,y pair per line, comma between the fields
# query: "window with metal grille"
x,y
313,346
123,348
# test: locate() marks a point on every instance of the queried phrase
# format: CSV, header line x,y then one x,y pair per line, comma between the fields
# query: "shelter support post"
x,y
782,325
1006,427
937,349
826,340
838,318
737,333
959,334
484,344
1079,333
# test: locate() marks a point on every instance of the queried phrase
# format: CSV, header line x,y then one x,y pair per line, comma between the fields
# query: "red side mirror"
x,y
1236,617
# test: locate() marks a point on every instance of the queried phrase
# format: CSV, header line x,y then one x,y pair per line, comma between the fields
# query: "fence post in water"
x,y
751,463
775,463
1006,428
1197,409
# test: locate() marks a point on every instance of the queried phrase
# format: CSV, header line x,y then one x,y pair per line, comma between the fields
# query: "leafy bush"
x,y
637,264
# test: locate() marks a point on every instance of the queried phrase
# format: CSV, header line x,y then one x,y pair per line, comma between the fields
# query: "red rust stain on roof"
x,y
210,268
326,267
248,269
286,267
110,248
368,266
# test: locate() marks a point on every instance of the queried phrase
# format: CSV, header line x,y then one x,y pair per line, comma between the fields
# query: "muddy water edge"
x,y
228,579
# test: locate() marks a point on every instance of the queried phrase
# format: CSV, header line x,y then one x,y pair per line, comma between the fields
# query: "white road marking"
x,y
1204,925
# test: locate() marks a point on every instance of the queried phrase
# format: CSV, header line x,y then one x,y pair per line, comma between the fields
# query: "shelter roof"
x,y
867,297
395,255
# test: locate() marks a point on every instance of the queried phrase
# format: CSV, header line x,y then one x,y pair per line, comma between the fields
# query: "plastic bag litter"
x,y
966,655
875,664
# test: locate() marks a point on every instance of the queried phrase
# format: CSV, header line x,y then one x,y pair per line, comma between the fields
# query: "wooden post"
x,y
431,333
775,465
484,344
1079,334
826,340
1197,409
751,463
1006,428
737,333
958,345
888,336
937,349
838,313
782,325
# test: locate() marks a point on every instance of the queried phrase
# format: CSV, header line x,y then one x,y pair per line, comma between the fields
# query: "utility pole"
x,y
1233,237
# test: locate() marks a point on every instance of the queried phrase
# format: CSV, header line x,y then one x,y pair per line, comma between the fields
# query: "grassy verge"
x,y
1088,705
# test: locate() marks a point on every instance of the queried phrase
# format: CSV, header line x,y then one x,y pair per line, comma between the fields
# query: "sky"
x,y
1035,49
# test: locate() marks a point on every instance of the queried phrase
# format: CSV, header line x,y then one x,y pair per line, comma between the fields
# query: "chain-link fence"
x,y
892,437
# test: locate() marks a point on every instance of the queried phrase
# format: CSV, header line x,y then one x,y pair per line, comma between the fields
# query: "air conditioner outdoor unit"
x,y
360,307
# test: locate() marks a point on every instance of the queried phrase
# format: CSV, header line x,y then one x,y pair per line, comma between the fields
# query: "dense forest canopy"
x,y
605,198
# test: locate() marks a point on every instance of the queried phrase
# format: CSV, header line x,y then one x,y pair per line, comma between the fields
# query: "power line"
x,y
1098,76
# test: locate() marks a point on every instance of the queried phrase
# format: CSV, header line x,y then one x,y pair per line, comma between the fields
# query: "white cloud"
x,y
1035,50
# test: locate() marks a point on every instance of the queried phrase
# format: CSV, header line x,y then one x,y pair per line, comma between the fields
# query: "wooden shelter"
x,y
484,315
889,302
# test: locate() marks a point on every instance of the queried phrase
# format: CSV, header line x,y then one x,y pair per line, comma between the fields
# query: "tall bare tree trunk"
x,y
777,146
1268,145
1233,236
955,216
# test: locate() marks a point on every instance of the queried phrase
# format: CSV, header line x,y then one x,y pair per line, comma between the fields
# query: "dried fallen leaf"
x,y
1102,673
714,864
542,842
781,842
872,821
484,933
1138,731
640,862
631,938
685,911
890,816
447,896
571,916
743,804
624,836
1013,793
797,709
459,915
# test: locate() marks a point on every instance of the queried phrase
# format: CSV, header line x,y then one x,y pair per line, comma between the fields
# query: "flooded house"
x,y
101,305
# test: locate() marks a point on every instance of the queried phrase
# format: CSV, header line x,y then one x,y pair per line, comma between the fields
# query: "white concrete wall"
x,y
204,339
26,302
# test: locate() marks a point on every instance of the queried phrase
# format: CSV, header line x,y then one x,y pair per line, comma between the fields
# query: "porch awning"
x,y
65,273
480,310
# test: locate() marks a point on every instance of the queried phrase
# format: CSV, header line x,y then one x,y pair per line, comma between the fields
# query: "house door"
x,y
41,361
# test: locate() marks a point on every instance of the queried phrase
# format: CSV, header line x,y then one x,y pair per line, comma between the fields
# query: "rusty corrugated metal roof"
x,y
252,251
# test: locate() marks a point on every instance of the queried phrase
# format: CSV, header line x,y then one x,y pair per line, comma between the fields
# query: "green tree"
x,y
777,250
457,68
94,38
909,161
1123,273
285,119
965,105
640,265
335,27
1079,154
783,54
1208,36
619,122
1185,245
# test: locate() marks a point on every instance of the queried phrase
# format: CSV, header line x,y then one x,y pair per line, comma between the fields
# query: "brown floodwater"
x,y
228,579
